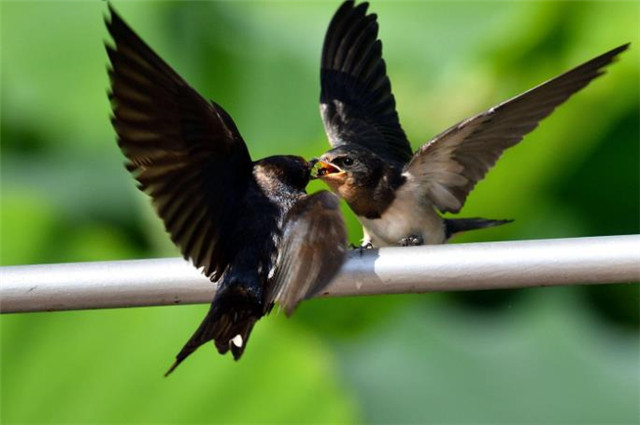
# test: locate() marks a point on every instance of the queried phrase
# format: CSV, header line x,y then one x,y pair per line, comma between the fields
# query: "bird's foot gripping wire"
x,y
361,248
412,240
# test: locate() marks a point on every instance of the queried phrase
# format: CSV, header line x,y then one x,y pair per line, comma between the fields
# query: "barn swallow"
x,y
247,224
394,192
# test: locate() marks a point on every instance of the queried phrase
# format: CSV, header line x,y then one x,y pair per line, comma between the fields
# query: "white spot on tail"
x,y
237,341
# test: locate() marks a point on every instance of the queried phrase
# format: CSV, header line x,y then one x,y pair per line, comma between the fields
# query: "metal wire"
x,y
496,265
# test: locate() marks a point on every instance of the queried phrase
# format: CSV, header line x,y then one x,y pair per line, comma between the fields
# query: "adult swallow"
x,y
394,192
247,224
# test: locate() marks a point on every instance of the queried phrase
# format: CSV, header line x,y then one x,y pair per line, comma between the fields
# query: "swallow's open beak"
x,y
321,169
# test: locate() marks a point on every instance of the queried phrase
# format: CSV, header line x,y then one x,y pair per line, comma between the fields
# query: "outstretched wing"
x,y
185,152
356,102
446,169
314,247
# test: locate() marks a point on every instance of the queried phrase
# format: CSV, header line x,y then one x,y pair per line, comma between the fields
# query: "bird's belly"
x,y
404,218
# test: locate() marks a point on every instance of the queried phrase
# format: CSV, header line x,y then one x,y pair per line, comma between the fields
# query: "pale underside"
x,y
408,215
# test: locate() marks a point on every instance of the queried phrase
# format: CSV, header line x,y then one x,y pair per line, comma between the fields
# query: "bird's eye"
x,y
347,161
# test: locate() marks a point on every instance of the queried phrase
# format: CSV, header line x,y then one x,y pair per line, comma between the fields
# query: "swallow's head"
x,y
348,169
294,172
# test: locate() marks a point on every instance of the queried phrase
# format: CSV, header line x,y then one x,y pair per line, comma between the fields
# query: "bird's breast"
x,y
406,216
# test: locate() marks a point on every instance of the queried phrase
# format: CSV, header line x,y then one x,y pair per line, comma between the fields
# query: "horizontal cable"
x,y
456,267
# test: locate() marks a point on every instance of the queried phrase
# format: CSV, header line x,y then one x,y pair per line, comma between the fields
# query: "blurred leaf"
x,y
548,363
27,228
107,366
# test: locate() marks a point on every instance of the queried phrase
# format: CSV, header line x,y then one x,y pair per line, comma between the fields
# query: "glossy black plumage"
x,y
358,110
229,215
356,102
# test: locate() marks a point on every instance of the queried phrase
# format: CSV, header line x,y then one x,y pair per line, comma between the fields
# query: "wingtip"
x,y
612,55
608,58
106,18
114,22
348,3
615,52
364,6
172,368
110,49
111,13
349,6
623,47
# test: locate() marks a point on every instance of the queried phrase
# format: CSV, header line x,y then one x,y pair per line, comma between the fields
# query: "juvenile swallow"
x,y
394,192
247,224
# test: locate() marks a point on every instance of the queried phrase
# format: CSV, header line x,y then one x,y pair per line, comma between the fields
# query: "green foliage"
x,y
534,356
107,366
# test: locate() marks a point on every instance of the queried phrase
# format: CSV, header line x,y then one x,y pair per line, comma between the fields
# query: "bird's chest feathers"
x,y
394,223
405,216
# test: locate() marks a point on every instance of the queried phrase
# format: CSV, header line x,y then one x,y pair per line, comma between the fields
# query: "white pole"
x,y
496,265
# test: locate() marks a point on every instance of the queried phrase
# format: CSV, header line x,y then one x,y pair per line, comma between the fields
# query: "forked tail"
x,y
457,225
234,311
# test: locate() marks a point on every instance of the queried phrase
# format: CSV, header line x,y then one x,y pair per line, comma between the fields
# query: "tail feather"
x,y
228,323
457,225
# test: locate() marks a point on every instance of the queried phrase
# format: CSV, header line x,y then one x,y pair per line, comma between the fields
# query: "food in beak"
x,y
322,168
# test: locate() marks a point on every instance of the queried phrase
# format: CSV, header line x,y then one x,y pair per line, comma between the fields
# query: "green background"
x,y
563,355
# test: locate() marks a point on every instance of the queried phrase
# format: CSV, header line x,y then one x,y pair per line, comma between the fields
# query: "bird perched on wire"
x,y
248,224
394,192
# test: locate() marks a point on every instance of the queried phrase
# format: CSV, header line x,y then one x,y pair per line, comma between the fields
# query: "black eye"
x,y
347,161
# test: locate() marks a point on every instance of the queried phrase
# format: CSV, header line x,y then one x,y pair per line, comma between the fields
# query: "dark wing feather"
x,y
314,247
447,168
356,102
184,151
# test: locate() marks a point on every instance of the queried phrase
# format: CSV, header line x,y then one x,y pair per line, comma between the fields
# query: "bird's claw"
x,y
361,248
412,240
365,246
